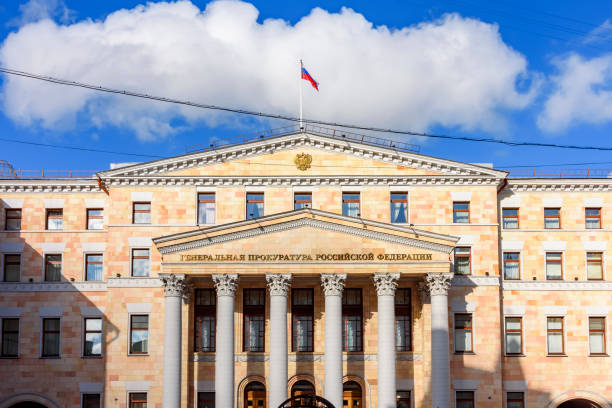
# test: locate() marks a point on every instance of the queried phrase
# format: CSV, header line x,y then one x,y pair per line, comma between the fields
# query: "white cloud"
x,y
581,93
454,71
600,34
35,10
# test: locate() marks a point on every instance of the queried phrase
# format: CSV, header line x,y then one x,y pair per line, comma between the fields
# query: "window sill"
x,y
50,357
138,355
599,355
516,355
92,357
556,355
9,357
459,353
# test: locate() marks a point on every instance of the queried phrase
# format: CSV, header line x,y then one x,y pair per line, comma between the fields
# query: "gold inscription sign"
x,y
304,257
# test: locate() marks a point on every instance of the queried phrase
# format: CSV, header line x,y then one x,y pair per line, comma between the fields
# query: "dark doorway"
x,y
302,387
255,395
351,396
27,404
579,403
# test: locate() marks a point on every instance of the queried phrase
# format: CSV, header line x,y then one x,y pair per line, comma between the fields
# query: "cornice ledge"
x,y
459,280
559,185
548,285
53,287
131,282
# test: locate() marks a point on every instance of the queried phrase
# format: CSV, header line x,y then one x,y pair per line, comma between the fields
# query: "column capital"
x,y
175,285
278,283
438,283
333,283
225,283
385,283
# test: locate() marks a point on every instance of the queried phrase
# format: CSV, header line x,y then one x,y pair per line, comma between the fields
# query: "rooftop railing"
x,y
559,173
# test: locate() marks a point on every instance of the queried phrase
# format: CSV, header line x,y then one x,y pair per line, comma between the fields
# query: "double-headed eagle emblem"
x,y
302,161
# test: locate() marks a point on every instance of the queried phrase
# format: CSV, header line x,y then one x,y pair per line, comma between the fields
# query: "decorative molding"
x,y
560,185
594,245
91,387
278,283
597,310
306,358
93,246
95,203
53,287
203,358
461,195
333,283
225,283
515,385
145,242
554,310
508,245
204,386
51,311
255,358
474,280
423,292
142,196
385,283
53,246
556,285
54,202
514,310
467,384
554,245
92,311
134,282
135,385
12,202
466,240
438,283
510,201
10,311
50,186
176,285
12,247
139,307
359,357
593,201
408,357
461,306
552,202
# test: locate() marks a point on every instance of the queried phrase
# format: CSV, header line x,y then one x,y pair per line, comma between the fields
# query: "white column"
x,y
438,285
333,285
224,340
279,285
385,288
174,286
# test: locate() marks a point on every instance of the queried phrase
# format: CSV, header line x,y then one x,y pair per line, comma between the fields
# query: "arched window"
x,y
351,395
579,403
302,387
255,395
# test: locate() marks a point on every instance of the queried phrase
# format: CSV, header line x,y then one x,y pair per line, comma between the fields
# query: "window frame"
x,y
404,310
468,211
598,217
470,330
601,264
358,201
2,331
6,218
520,331
517,261
129,399
84,336
134,211
562,331
42,336
468,256
197,399
199,201
5,264
48,216
262,201
94,217
522,400
253,311
296,201
517,217
352,311
132,249
302,311
129,337
558,217
86,256
44,271
83,394
403,399
560,262
391,201
603,331
204,311
473,400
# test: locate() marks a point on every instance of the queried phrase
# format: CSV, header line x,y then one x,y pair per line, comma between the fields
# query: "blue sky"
x,y
514,70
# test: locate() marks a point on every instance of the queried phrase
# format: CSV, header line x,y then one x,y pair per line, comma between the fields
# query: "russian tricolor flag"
x,y
309,78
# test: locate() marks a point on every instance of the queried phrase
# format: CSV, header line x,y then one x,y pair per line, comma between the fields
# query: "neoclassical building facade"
x,y
305,263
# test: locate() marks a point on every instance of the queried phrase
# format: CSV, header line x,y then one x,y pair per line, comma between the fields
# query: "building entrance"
x,y
579,403
351,396
255,395
27,404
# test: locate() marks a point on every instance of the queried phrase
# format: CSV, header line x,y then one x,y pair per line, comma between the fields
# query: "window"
x,y
461,212
511,266
554,327
399,207
254,308
554,265
206,400
594,266
592,218
13,220
464,399
597,335
91,401
463,333
138,400
140,262
141,213
552,218
403,399
92,346
51,337
352,318
206,208
12,264
403,319
93,267
10,338
55,219
205,319
302,200
515,400
95,218
139,334
514,335
510,218
350,204
462,261
302,311
53,267
254,205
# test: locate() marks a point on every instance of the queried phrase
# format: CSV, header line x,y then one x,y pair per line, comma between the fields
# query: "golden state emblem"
x,y
302,161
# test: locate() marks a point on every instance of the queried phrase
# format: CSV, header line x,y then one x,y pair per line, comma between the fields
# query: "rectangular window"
x,y
93,337
552,218
554,265
55,219
53,268
464,399
13,220
206,208
403,319
12,265
254,205
302,311
93,267
403,399
91,401
515,400
205,319
594,265
95,218
141,213
10,337
138,400
461,212
597,335
463,333
302,200
206,400
510,218
51,337
511,266
352,318
554,327
350,204
254,309
463,264
141,263
514,335
592,218
399,208
139,334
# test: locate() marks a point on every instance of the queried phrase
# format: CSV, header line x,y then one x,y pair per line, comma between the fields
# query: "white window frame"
x,y
83,317
94,393
564,318
132,248
85,253
606,349
42,318
520,278
586,272
18,336
523,345
2,256
466,312
44,257
129,335
562,252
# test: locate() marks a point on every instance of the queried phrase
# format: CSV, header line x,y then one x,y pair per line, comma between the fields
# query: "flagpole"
x,y
301,123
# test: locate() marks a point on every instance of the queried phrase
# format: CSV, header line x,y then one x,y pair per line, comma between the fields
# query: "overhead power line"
x,y
85,149
294,119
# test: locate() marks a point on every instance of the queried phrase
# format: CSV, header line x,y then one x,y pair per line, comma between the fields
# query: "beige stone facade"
x,y
307,243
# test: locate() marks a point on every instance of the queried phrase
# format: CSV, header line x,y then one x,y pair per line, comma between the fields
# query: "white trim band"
x,y
139,307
